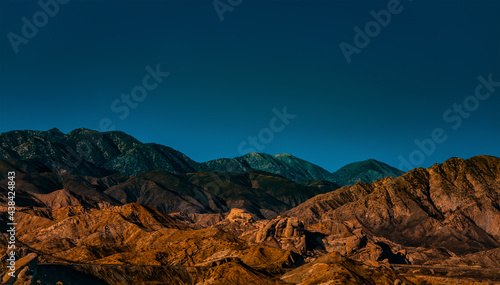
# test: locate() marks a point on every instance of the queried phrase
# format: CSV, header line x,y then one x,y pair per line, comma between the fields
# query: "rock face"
x,y
453,205
364,171
285,165
286,233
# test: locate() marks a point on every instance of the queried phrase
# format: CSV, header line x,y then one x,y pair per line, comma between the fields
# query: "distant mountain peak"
x,y
363,171
286,165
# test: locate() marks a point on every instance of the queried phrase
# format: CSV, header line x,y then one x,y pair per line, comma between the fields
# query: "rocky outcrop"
x,y
283,232
238,215
25,269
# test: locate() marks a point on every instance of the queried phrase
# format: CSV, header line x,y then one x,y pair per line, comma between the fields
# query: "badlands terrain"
x,y
104,208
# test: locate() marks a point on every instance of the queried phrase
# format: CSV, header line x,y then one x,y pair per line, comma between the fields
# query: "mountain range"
x,y
87,216
91,153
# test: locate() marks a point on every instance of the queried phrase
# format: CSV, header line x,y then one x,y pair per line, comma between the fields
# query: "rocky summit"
x,y
99,222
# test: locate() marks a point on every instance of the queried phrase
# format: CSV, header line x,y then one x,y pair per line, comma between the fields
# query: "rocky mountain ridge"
x,y
91,153
453,205
98,154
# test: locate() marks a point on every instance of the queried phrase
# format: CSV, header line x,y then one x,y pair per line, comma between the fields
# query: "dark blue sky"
x,y
227,76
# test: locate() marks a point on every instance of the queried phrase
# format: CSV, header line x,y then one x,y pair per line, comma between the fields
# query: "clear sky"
x,y
226,77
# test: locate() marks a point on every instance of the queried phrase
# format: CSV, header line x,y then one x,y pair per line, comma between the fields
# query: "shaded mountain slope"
x,y
258,192
261,193
91,153
285,165
38,189
166,192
